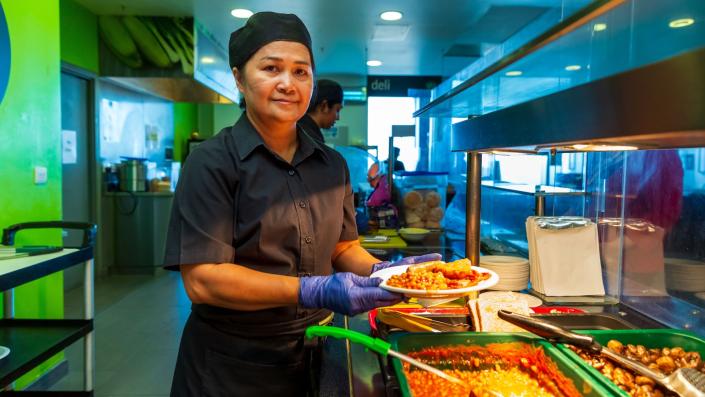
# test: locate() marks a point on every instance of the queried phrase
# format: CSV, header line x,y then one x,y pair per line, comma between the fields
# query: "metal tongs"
x,y
686,382
414,323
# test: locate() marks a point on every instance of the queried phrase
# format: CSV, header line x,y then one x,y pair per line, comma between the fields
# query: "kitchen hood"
x,y
173,58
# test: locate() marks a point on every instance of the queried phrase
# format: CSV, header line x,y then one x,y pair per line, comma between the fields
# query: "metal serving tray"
x,y
650,338
595,321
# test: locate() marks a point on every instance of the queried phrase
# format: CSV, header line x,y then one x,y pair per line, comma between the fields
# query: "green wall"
x,y
79,36
185,122
354,116
205,118
30,124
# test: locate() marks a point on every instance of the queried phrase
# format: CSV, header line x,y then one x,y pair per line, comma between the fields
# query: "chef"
x,y
263,231
324,109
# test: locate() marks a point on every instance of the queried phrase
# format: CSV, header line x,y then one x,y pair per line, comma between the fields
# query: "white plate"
x,y
385,274
4,351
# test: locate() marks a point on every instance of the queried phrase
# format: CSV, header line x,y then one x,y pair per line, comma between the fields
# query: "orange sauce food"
x,y
503,369
438,276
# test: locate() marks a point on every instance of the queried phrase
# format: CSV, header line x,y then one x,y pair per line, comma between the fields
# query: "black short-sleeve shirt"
x,y
311,128
239,202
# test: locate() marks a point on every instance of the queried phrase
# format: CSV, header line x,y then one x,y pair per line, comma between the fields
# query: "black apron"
x,y
215,363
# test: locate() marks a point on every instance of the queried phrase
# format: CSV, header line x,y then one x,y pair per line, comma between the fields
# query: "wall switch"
x,y
40,175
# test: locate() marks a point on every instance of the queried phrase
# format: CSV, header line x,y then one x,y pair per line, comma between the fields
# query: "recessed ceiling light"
x,y
573,68
374,62
208,60
241,13
391,15
513,73
681,23
599,27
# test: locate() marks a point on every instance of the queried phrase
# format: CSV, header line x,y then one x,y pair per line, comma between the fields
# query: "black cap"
x,y
263,28
325,90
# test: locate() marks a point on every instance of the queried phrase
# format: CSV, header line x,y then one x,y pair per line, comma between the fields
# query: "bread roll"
x,y
433,199
413,199
432,225
435,214
411,217
417,224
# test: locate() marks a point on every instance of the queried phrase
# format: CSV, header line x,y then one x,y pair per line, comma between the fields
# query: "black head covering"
x,y
263,28
325,90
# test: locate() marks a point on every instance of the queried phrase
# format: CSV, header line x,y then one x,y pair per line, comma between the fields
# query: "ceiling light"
x,y
513,73
599,27
207,60
573,68
374,62
241,13
681,23
391,15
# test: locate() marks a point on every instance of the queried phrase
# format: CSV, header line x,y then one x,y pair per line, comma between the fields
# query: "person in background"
x,y
380,204
324,110
381,195
261,217
398,165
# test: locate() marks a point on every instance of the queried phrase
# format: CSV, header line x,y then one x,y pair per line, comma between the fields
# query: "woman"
x,y
261,215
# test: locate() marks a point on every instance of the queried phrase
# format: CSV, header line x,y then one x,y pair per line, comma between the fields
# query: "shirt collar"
x,y
307,146
248,139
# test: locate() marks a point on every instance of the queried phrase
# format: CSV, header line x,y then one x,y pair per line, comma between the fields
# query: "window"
x,y
382,113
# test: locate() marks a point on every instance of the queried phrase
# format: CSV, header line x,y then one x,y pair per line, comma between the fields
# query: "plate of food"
x,y
436,279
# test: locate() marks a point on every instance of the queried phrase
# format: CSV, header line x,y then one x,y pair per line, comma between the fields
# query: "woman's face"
x,y
277,82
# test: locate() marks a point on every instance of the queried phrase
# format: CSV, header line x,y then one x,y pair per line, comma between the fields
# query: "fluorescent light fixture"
x,y
207,60
603,148
599,27
374,63
241,13
514,73
391,15
573,68
681,23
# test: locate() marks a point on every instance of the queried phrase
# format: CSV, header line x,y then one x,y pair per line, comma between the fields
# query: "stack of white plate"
x,y
513,271
684,274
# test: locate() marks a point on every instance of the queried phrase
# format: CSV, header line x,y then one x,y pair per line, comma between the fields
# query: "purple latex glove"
x,y
409,260
345,293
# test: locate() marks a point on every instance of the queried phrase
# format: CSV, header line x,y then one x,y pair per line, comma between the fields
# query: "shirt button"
x,y
291,172
308,239
302,204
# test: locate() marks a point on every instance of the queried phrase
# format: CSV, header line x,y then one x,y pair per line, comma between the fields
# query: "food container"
x,y
650,338
413,234
409,342
422,197
450,315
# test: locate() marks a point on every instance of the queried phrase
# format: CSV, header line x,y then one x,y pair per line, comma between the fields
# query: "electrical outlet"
x,y
40,175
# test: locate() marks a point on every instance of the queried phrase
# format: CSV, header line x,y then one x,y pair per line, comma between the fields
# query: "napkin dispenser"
x,y
564,256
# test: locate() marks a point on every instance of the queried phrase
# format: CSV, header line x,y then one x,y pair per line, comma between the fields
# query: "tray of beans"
x,y
663,350
491,364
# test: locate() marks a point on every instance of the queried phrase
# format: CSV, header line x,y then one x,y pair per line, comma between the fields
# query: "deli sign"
x,y
4,54
399,86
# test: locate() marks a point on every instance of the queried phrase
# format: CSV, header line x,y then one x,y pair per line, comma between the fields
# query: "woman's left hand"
x,y
409,260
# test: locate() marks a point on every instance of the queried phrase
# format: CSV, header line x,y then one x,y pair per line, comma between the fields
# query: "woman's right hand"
x,y
344,293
